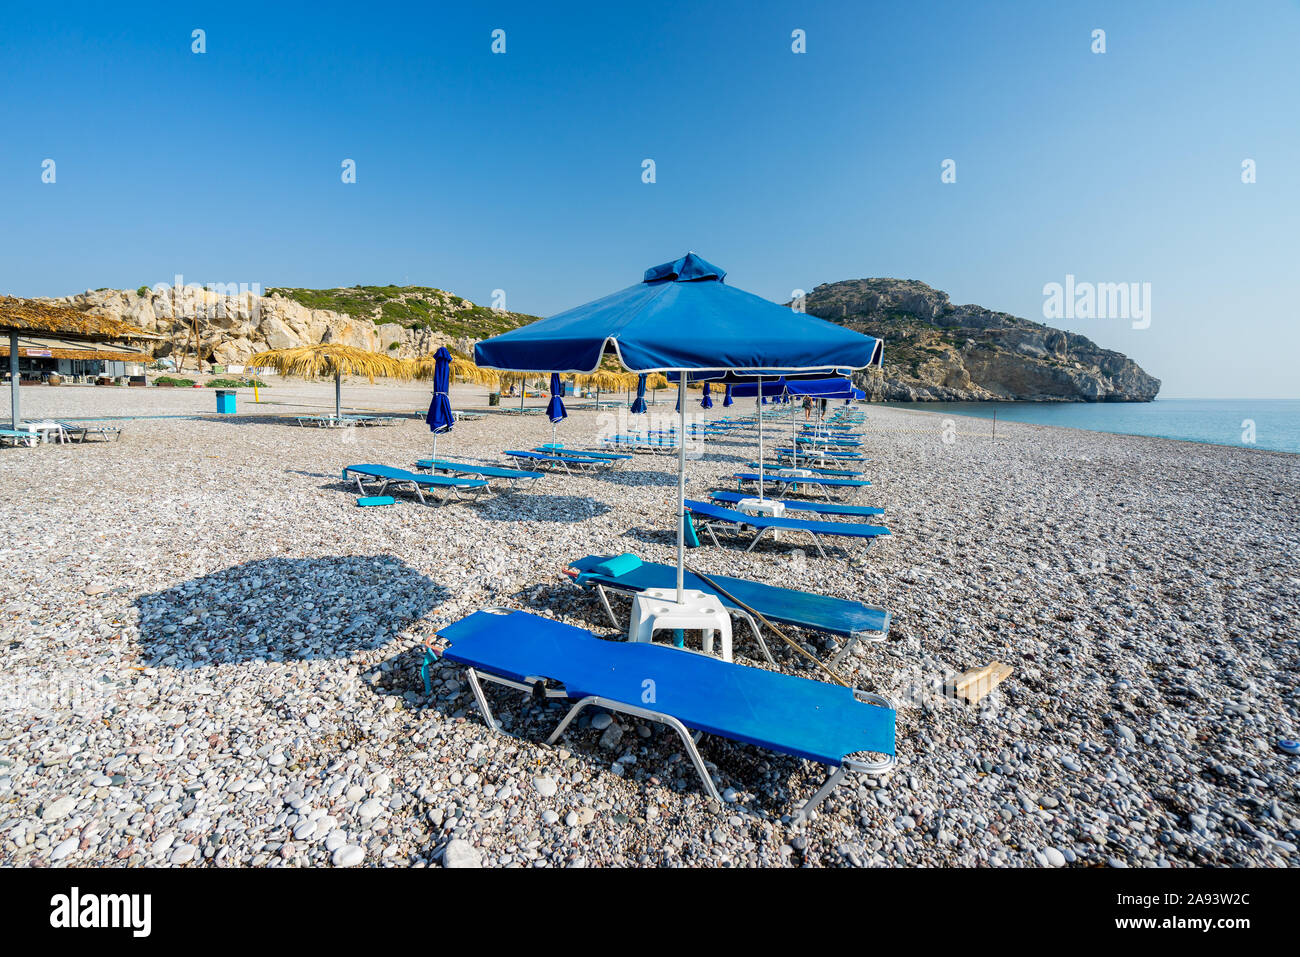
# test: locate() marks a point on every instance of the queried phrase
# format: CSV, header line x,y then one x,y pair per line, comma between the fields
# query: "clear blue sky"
x,y
523,171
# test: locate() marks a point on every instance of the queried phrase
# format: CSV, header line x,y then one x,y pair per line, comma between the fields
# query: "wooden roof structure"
x,y
32,347
42,318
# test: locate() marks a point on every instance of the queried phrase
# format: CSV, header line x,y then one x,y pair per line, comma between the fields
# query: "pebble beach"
x,y
212,655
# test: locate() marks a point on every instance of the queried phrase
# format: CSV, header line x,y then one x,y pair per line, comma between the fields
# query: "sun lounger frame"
x,y
849,638
468,469
82,431
741,521
570,464
690,742
820,485
400,481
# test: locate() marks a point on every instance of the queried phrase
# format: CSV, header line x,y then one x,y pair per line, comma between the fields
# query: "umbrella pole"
x,y
681,488
794,440
14,407
760,439
338,397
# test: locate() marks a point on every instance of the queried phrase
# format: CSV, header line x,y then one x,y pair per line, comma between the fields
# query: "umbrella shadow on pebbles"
x,y
284,609
641,477
518,507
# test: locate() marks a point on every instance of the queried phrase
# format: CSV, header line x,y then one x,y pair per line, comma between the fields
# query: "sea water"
x,y
1246,423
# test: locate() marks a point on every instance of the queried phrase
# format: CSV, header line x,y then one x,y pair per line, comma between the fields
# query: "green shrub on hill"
x,y
410,307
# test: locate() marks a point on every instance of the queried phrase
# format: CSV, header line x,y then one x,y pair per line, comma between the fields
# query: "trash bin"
x,y
494,398
226,401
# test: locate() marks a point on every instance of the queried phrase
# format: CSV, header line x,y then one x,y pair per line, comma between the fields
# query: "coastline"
x,y
1098,410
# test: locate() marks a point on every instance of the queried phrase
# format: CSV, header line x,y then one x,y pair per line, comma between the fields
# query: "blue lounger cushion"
x,y
559,449
404,475
803,480
798,505
368,501
836,454
542,457
816,470
487,471
842,529
785,606
792,715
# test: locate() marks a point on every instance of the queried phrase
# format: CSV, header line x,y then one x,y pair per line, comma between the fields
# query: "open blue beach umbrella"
x,y
440,418
680,317
555,408
638,404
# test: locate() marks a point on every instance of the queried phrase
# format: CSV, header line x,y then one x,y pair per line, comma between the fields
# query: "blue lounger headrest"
x,y
376,500
618,565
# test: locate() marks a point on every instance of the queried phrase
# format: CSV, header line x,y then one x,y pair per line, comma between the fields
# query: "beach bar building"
x,y
30,329
42,356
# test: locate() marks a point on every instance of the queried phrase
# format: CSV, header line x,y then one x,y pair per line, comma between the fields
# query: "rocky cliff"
x,y
402,321
935,351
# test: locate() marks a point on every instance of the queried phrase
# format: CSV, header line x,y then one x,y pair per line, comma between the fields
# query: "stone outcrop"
x,y
232,327
935,351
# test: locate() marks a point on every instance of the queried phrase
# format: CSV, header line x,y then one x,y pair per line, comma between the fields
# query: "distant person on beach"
x,y
807,407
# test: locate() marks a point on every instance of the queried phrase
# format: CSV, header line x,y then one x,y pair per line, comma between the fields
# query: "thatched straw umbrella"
x,y
330,358
656,381
605,381
520,378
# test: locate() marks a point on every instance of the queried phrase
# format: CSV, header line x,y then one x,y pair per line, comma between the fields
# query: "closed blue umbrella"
x,y
681,316
706,401
638,404
726,399
555,408
440,417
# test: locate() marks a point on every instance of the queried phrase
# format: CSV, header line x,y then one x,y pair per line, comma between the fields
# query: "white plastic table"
x,y
657,609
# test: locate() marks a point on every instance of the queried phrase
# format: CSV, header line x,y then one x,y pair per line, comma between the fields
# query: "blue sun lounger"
x,y
514,477
820,440
844,619
638,443
831,455
828,473
708,517
569,463
19,437
559,449
417,483
800,505
684,690
817,483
